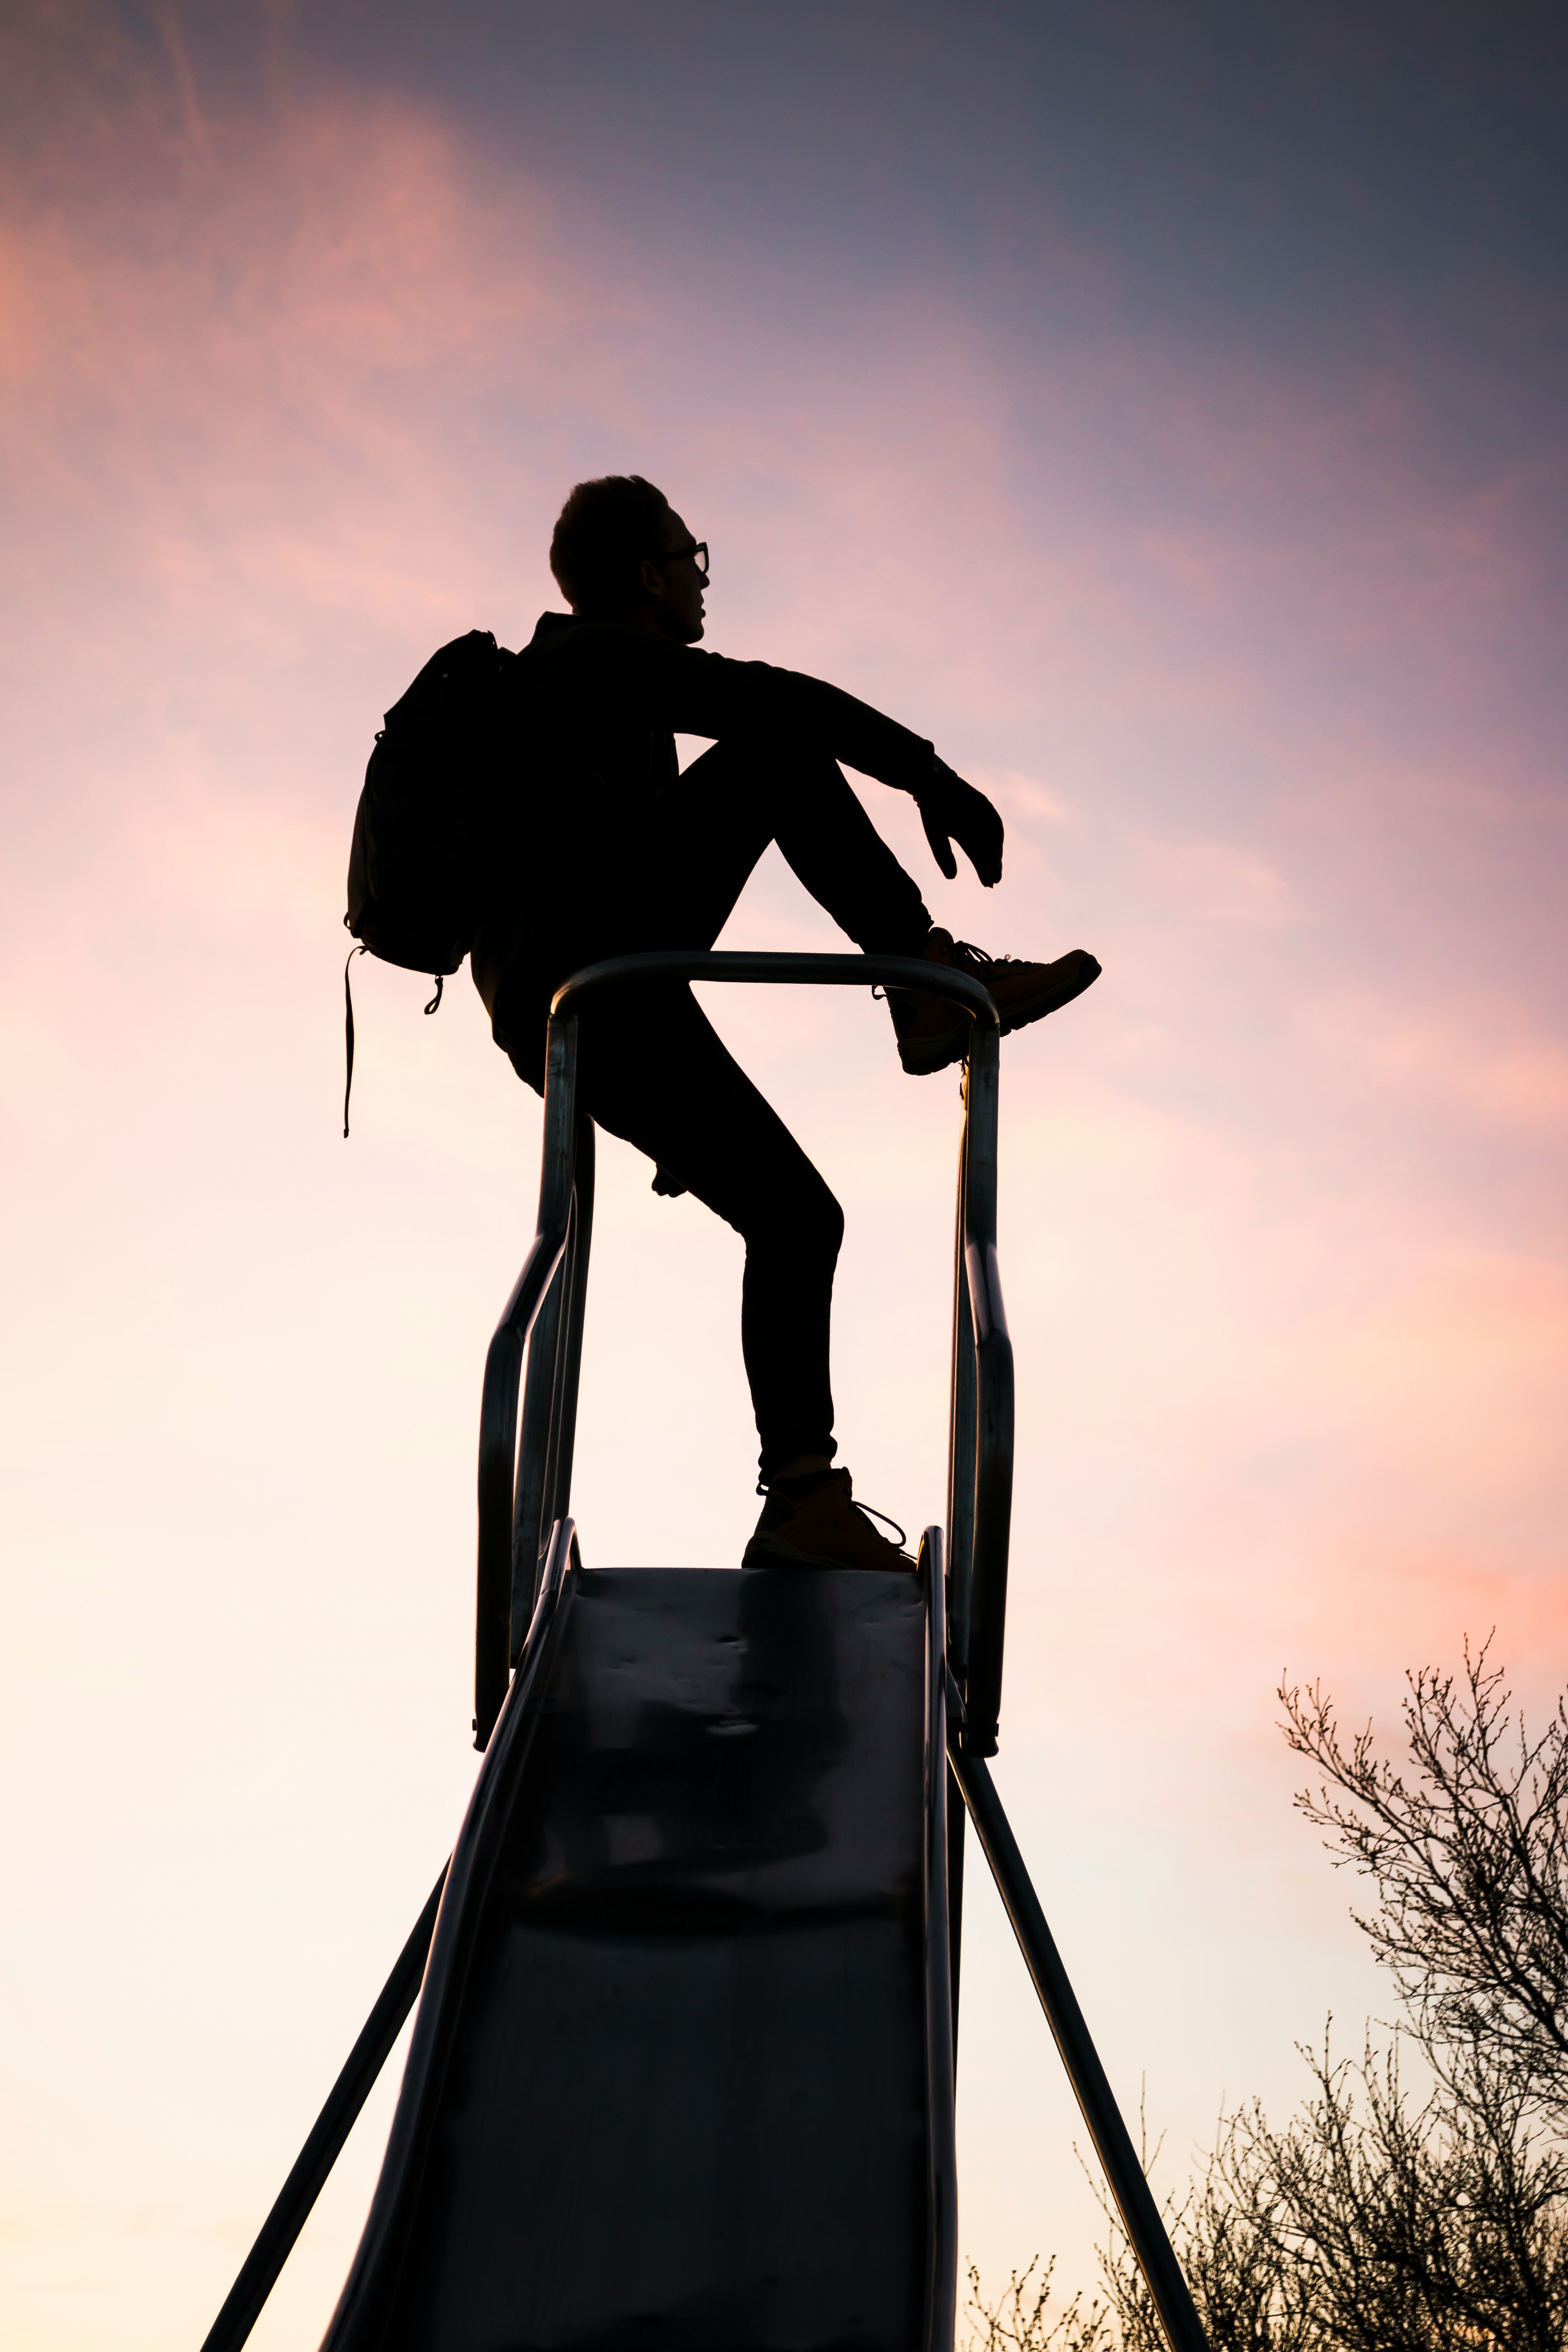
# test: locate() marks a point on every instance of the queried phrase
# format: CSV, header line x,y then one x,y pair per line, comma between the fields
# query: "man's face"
x,y
675,585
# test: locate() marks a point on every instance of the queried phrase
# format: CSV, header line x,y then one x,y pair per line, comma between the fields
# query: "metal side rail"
x,y
1134,2201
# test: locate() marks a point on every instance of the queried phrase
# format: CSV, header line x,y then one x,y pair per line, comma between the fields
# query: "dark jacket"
x,y
594,711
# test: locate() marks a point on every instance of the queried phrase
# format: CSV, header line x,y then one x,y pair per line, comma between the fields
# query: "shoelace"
x,y
964,953
961,948
865,1510
867,1513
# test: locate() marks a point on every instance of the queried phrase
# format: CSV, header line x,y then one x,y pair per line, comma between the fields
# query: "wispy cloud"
x,y
1474,1060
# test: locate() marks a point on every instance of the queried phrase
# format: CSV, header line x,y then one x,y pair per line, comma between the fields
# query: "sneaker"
x,y
933,1033
815,1522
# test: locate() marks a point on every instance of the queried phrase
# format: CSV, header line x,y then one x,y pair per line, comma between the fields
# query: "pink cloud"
x,y
1469,1058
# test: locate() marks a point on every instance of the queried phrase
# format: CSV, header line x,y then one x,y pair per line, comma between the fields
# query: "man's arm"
x,y
708,694
696,693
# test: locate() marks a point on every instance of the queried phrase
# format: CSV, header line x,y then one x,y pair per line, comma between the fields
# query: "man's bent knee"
x,y
802,1222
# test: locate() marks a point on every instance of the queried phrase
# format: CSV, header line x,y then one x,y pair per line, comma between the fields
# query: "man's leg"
x,y
653,1071
737,797
658,1076
708,832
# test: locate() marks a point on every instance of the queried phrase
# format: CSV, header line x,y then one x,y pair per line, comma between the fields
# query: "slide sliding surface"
x,y
680,2074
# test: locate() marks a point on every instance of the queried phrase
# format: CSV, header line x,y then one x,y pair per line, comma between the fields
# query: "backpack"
x,y
417,865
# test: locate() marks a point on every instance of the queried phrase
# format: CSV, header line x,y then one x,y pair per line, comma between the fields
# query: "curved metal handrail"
x,y
544,1444
503,1373
512,1497
773,970
987,1437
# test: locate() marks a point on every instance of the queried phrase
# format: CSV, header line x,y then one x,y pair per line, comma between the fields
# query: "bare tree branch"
x,y
1378,2220
1470,1859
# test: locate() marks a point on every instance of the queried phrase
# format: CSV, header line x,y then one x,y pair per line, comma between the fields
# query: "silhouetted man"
x,y
631,854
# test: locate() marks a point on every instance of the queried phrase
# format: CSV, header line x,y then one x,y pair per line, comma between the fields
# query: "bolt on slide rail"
x,y
527,1543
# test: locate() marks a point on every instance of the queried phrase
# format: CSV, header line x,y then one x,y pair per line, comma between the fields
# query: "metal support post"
x,y
259,2272
1124,2175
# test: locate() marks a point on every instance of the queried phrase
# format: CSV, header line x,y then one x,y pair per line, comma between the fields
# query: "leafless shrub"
x,y
1372,2222
1020,2320
1380,2218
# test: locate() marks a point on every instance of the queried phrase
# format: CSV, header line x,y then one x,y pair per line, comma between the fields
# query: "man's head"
x,y
620,552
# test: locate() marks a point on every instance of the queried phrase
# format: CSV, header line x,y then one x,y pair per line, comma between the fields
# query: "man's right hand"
x,y
952,811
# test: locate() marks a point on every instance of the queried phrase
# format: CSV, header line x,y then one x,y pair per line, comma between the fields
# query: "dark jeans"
x,y
652,1070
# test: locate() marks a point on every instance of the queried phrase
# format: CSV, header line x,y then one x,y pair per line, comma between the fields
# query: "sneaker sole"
x,y
934,1054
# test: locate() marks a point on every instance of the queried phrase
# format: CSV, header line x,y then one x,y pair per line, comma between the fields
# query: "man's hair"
x,y
606,529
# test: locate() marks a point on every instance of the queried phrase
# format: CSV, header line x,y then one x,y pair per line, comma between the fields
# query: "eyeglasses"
x,y
697,552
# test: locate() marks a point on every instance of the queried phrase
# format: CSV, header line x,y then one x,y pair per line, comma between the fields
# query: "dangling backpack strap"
x,y
349,1032
349,1023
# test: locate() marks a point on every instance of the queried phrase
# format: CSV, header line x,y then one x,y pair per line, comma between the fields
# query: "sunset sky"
x,y
1160,407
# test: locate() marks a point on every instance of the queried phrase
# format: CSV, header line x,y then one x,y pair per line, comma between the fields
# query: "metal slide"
x,y
681,2076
